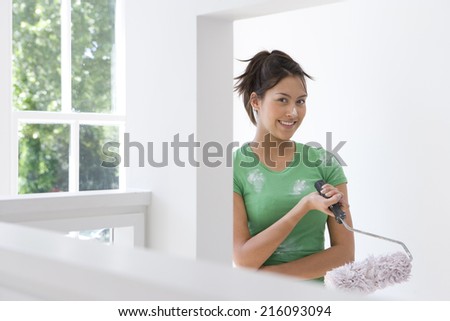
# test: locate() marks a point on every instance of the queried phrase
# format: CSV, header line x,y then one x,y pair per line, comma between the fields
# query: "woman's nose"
x,y
292,112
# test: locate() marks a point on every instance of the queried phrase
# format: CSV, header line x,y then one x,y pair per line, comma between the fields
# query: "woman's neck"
x,y
273,152
272,143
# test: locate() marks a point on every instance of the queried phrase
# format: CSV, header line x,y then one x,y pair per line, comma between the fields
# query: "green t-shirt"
x,y
268,195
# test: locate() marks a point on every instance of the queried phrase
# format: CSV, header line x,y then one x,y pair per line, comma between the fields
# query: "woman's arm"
x,y
341,251
252,252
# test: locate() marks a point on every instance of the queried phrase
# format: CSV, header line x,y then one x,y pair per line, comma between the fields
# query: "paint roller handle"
x,y
339,214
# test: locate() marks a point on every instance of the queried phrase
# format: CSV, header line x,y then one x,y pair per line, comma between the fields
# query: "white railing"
x,y
43,265
38,264
65,212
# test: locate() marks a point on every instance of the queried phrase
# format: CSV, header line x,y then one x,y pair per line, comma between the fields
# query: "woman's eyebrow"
x,y
287,95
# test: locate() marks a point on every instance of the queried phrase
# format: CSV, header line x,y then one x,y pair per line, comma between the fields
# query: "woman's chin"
x,y
282,137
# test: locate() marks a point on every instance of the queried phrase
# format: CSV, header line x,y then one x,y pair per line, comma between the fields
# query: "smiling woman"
x,y
279,218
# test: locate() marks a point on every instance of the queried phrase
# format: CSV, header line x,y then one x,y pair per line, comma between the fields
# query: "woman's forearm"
x,y
256,250
314,265
253,251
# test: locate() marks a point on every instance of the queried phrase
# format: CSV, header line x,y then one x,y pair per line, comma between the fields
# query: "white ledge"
x,y
51,206
47,266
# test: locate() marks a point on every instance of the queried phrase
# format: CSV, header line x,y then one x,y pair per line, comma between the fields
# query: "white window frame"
x,y
66,115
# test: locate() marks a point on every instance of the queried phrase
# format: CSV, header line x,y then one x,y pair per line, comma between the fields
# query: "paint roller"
x,y
373,273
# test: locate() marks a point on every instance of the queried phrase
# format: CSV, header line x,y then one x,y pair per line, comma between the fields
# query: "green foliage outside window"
x,y
92,55
92,175
44,158
36,55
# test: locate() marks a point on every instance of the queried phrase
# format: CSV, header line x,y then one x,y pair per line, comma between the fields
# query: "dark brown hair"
x,y
264,71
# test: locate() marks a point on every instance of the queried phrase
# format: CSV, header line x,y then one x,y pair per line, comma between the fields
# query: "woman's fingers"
x,y
323,204
333,196
326,188
330,191
334,199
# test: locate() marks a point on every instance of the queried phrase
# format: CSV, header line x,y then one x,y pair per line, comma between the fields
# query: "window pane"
x,y
104,235
94,176
43,158
36,55
92,55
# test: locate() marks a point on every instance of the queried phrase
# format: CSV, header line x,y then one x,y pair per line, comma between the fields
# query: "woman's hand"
x,y
315,201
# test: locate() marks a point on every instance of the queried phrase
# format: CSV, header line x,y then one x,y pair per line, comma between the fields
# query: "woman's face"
x,y
281,110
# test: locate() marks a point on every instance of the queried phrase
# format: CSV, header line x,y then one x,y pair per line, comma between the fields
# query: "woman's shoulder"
x,y
242,151
238,152
244,158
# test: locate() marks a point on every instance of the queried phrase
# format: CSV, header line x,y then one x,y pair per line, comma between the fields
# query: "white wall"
x,y
382,72
214,120
161,96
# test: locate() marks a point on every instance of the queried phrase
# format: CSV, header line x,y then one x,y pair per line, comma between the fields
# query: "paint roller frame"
x,y
339,215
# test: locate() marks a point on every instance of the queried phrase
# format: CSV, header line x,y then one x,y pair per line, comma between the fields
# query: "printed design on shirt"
x,y
323,158
298,187
328,159
256,179
288,245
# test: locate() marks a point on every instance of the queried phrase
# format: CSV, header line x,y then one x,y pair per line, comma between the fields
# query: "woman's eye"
x,y
283,100
300,102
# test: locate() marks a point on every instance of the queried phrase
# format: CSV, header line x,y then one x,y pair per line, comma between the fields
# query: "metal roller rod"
x,y
379,237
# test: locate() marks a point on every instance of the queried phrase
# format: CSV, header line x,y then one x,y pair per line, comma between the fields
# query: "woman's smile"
x,y
287,124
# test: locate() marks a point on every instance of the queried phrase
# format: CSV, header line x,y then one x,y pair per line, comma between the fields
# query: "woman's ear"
x,y
255,102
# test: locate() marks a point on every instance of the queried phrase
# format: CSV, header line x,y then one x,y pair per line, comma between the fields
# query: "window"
x,y
123,236
66,96
105,235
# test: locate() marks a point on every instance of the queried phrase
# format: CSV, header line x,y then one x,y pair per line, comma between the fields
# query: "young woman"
x,y
279,217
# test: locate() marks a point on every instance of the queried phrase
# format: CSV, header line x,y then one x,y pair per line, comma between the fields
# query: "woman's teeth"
x,y
287,123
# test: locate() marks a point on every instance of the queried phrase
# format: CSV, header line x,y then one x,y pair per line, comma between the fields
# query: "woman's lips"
x,y
287,124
